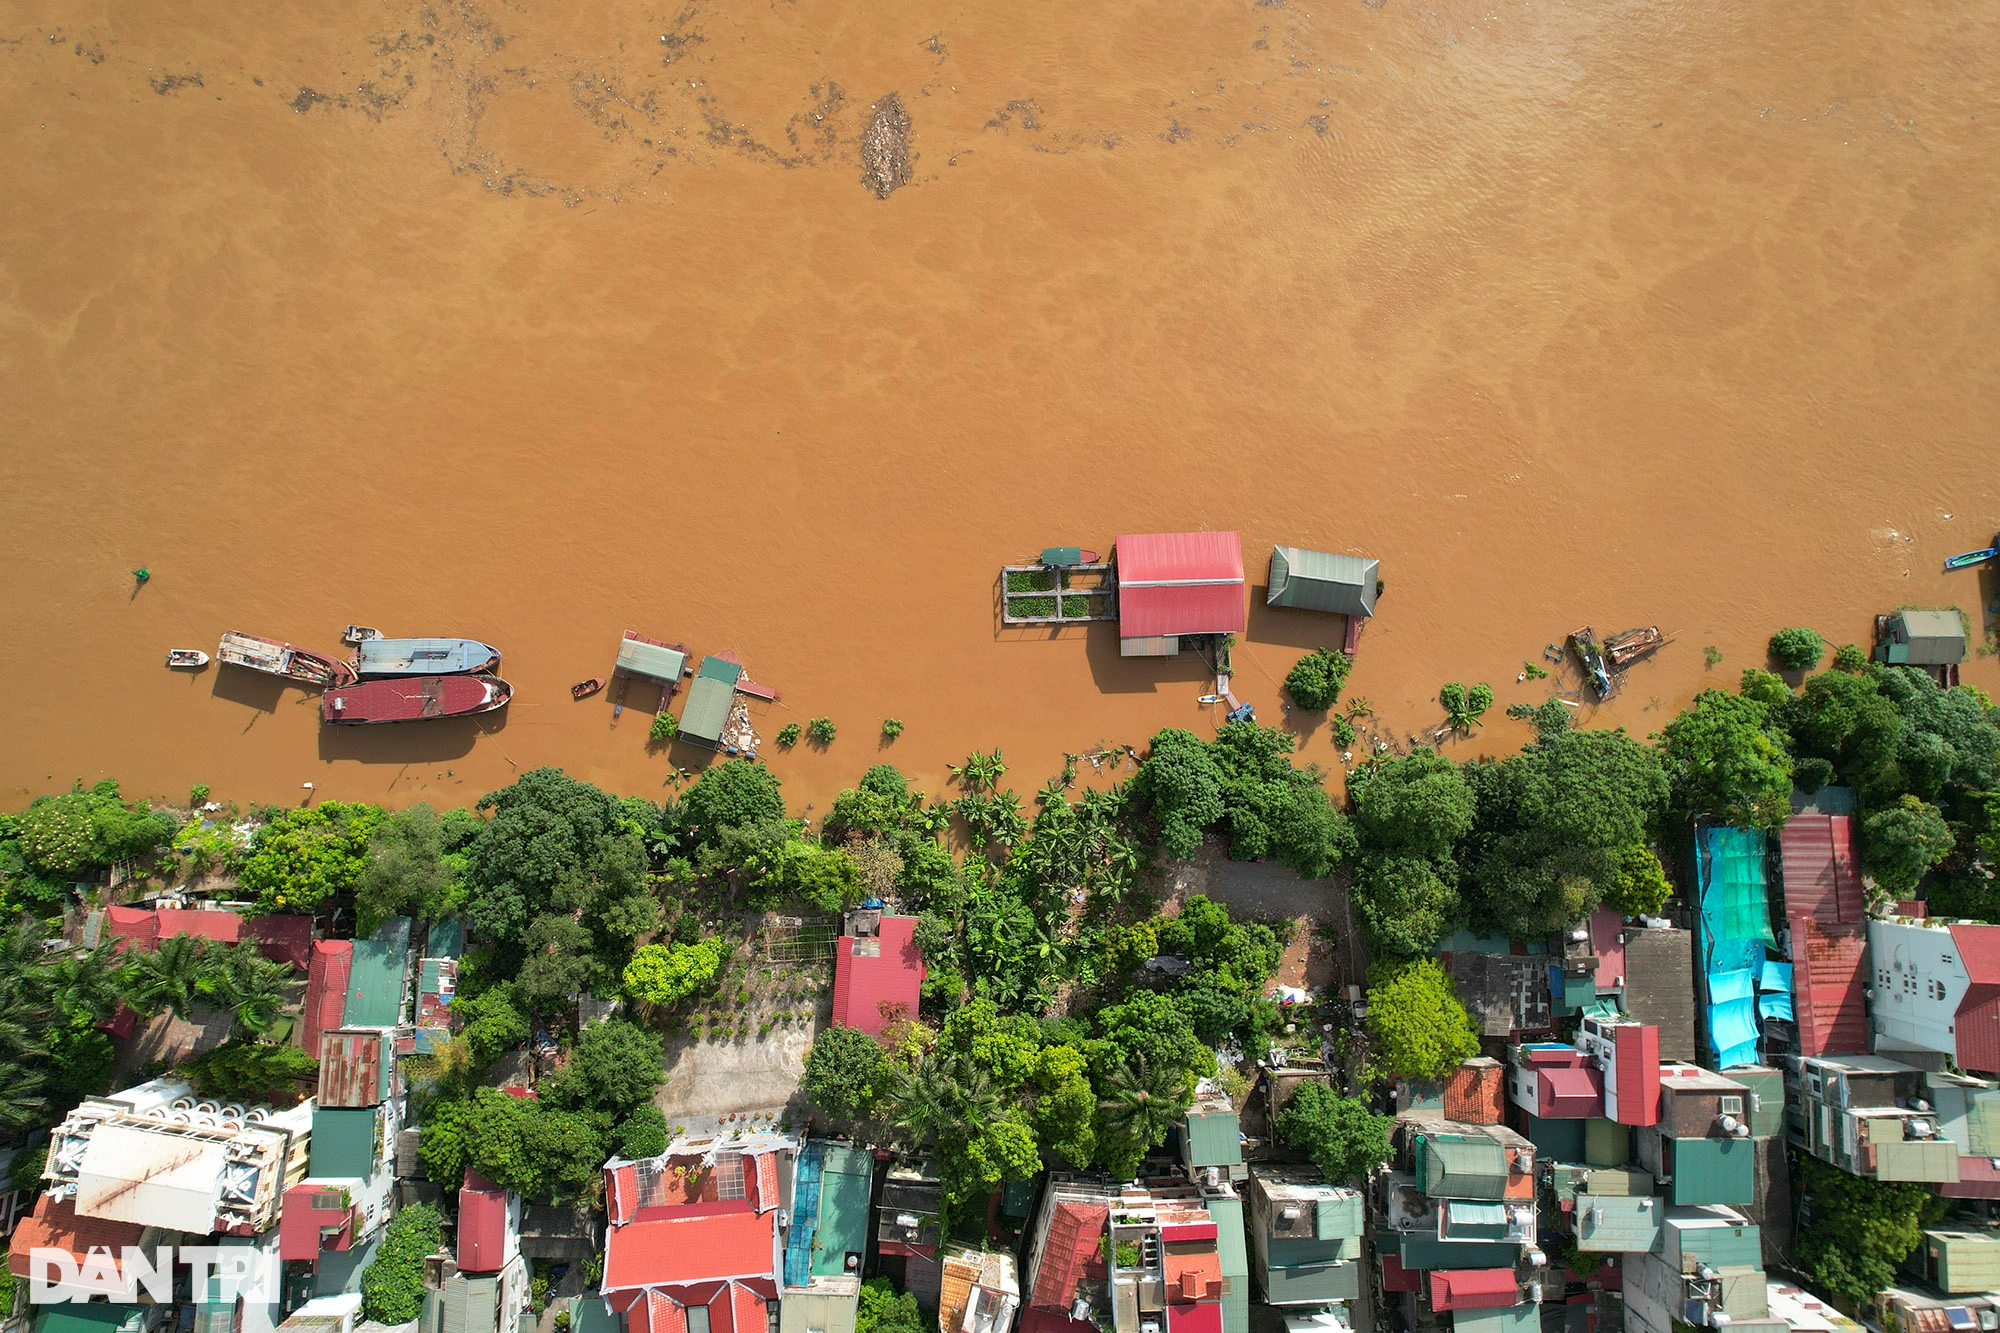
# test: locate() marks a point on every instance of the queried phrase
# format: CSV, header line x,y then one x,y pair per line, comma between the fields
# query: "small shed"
x,y
1322,581
649,659
706,714
1921,638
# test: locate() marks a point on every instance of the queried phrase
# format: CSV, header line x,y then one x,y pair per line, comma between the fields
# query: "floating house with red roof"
x,y
878,974
697,1236
1172,584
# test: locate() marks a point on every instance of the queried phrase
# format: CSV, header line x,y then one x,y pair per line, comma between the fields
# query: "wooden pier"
x,y
1057,594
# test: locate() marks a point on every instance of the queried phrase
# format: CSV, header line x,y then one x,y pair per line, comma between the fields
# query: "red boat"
x,y
414,699
583,689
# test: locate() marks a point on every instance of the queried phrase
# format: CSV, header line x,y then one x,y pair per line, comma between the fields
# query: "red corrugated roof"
x,y
1637,1047
1180,583
1201,1318
1978,1178
56,1226
1607,943
284,939
222,927
1395,1277
1977,1028
326,990
1474,1289
894,976
1828,980
1821,876
681,1250
482,1225
621,1192
1569,1092
1074,1232
1188,1231
136,927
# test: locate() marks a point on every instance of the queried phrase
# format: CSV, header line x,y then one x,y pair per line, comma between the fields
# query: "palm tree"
x,y
251,985
1141,1102
174,977
86,983
21,1104
944,1097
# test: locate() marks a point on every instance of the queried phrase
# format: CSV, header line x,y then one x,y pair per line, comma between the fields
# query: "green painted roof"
x,y
1214,1139
1322,1282
1612,1222
1715,1171
1323,581
343,1142
1524,1318
1933,1162
706,712
1767,1120
1462,1167
1306,1251
446,939
1556,1140
1721,1246
1606,1142
86,1318
1230,1246
650,660
846,1176
375,977
1339,1217
1424,1251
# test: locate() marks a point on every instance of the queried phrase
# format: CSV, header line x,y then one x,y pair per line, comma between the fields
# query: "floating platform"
x,y
1058,594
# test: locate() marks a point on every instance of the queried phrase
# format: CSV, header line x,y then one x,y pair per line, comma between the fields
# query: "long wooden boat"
x,y
274,658
1584,644
424,657
1627,648
414,699
1971,558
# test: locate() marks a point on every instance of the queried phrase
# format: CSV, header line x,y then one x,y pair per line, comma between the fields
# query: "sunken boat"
x,y
256,653
414,699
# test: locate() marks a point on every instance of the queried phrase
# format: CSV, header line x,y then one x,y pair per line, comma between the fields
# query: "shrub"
x,y
1850,658
1812,773
846,1072
243,1071
1640,887
892,727
821,730
1797,649
659,974
664,728
788,735
1314,681
1464,707
1342,1136
1343,733
392,1287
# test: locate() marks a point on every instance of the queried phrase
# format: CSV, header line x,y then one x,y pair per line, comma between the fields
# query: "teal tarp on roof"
x,y
446,939
375,977
1323,581
846,1178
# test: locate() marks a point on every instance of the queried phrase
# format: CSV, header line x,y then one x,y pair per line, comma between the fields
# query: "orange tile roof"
x,y
1194,1277
55,1225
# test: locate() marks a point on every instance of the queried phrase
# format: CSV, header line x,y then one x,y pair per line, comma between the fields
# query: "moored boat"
x,y
1627,648
414,699
359,634
273,658
1584,644
186,657
583,689
424,657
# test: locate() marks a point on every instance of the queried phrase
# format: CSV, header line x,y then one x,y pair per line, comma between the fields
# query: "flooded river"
x,y
539,324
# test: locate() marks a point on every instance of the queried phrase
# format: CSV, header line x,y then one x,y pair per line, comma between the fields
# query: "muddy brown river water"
x,y
539,323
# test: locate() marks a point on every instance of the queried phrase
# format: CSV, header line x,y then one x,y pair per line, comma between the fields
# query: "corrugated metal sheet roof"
x,y
158,1180
864,981
1767,1112
846,1177
1606,1143
375,978
1322,1282
326,991
1964,1261
1934,1162
1830,1008
446,938
1977,1030
1616,1223
1474,1288
482,1226
706,712
1071,1242
1819,871
355,1068
1230,1246
1714,1171
343,1143
1464,1168
1180,583
1338,1218
1931,637
1571,1094
651,660
1323,581
1420,1250
1214,1139
1720,1246
1514,1319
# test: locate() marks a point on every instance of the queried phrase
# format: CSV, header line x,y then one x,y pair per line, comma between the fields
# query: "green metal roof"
x,y
1715,1171
1720,1246
375,977
1213,1139
1556,1140
846,1177
1570,1180
650,660
1767,1120
86,1318
1230,1246
1606,1142
588,1315
1524,1318
706,712
1458,1167
1306,1251
1419,1250
1322,1282
343,1142
1982,1123
1745,1293
1934,1162
1339,1217
1323,581
1611,1222
446,939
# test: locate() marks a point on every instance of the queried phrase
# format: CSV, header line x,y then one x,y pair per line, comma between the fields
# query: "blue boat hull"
x,y
424,657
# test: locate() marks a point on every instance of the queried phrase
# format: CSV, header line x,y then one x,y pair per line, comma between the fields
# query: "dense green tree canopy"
x,y
410,870
1901,842
307,856
613,1066
1314,681
1860,1230
1416,1020
669,974
1724,757
392,1286
1418,805
730,794
552,843
81,831
846,1073
1406,903
1342,1136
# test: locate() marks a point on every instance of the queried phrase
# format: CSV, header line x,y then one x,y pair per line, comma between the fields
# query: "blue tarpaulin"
x,y
1775,976
1775,1005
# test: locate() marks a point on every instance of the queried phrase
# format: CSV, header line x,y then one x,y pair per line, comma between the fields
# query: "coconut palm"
x,y
1141,1102
22,1105
941,1099
172,977
252,986
85,983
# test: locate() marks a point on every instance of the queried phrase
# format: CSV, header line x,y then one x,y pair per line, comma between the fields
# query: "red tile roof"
x,y
1828,980
1193,1277
746,1308
1475,1093
655,1313
1569,1093
283,939
1072,1241
767,1181
1180,583
482,1225
1978,1025
1821,874
1637,1048
672,1251
863,985
1474,1289
326,990
56,1226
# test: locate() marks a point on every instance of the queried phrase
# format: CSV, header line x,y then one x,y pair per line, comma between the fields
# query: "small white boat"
x,y
190,658
359,634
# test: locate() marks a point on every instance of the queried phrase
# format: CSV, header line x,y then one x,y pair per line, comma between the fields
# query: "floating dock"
x,y
1057,594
